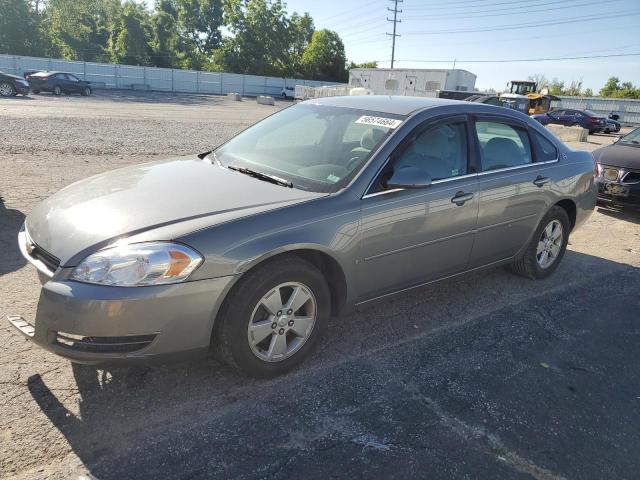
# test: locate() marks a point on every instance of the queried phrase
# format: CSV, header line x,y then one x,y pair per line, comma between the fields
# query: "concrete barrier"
x,y
265,100
569,134
234,96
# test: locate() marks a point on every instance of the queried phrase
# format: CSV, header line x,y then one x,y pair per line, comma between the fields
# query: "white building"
x,y
406,81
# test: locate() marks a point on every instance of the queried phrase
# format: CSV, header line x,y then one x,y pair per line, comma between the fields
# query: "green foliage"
x,y
263,38
372,64
324,58
19,32
614,89
131,30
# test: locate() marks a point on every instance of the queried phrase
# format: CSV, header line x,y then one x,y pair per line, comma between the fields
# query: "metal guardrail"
x,y
109,75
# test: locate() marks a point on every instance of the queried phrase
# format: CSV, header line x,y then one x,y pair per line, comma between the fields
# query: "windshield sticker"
x,y
332,178
379,121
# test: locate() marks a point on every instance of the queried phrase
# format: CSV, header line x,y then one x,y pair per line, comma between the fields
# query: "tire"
x,y
57,90
529,264
36,92
245,310
86,92
7,89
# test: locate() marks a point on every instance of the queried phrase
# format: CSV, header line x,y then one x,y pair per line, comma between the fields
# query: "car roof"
x,y
397,105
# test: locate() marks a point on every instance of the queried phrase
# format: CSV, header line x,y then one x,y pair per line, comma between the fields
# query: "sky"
x,y
435,33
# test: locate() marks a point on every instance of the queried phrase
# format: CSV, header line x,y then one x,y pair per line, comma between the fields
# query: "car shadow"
x,y
128,416
151,97
10,222
625,214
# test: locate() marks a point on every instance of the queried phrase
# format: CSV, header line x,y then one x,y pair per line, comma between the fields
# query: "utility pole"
x,y
395,22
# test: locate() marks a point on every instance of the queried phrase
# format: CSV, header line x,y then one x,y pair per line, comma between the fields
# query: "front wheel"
x,y
57,90
546,247
86,92
7,90
272,319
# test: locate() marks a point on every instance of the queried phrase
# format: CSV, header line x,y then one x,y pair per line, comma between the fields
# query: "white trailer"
x,y
406,81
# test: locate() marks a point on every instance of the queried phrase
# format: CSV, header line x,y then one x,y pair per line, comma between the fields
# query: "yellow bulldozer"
x,y
539,102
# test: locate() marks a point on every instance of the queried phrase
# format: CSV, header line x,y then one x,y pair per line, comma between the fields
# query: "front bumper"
x,y
631,197
21,89
103,324
100,324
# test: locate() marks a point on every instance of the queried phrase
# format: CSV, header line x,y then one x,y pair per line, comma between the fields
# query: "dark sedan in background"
x,y
58,83
12,85
619,171
569,118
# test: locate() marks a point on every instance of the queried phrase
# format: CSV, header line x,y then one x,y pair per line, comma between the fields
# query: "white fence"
x,y
109,75
628,109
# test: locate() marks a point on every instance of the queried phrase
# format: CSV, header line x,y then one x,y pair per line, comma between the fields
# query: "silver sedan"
x,y
324,206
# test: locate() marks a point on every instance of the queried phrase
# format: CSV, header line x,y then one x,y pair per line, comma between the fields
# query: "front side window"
x,y
315,147
440,151
502,145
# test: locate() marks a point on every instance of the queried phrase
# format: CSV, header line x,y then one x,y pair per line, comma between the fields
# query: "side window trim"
x,y
427,124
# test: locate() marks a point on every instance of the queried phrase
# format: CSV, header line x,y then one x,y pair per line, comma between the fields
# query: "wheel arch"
x,y
571,208
318,256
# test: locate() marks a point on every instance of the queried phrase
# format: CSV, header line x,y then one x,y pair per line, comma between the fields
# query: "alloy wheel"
x,y
6,90
282,321
549,244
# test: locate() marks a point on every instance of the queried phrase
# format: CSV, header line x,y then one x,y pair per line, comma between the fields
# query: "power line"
x,y
502,13
516,60
395,22
519,26
458,5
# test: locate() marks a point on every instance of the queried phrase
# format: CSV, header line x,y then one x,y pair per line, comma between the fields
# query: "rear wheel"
x,y
272,319
7,89
546,248
57,90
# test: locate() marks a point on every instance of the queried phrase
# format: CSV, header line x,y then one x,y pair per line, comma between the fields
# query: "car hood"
x,y
624,156
95,212
15,77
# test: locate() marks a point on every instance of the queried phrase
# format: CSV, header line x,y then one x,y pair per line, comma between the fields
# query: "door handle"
x,y
541,181
461,198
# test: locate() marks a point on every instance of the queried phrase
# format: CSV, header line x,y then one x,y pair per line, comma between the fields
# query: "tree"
x,y
324,58
300,32
540,79
199,21
79,29
556,87
370,64
613,88
19,28
128,42
166,41
588,93
261,38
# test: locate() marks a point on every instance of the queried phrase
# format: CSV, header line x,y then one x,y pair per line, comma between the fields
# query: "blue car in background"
x,y
569,118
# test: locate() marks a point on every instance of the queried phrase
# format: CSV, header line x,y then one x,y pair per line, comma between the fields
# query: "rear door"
x,y
511,189
414,236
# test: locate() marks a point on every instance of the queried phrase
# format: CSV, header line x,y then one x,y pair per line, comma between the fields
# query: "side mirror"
x,y
409,177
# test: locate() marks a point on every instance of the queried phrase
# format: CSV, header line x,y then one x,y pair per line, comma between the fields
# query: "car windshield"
x,y
315,147
632,138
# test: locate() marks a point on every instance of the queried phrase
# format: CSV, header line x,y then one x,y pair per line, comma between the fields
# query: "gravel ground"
x,y
490,376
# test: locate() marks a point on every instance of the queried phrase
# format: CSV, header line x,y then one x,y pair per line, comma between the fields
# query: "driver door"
x,y
412,236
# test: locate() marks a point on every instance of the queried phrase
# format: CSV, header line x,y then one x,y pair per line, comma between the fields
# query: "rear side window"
x,y
502,145
545,149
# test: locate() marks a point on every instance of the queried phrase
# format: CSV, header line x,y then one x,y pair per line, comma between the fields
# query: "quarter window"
x,y
545,150
440,151
502,146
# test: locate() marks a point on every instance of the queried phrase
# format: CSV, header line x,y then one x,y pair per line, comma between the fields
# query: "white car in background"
x,y
288,92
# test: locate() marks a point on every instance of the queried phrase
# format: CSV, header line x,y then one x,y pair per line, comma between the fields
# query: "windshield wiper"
x,y
262,176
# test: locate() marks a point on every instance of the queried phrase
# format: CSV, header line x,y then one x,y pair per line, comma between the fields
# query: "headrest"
x,y
499,148
371,138
433,142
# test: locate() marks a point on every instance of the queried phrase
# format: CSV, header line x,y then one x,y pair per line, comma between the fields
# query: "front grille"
x,y
126,344
51,262
631,177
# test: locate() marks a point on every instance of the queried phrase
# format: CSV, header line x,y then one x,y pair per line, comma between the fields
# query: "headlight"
x,y
137,264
